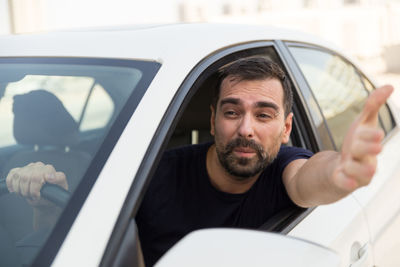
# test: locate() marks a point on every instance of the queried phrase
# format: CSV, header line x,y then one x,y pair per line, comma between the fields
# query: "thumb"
x,y
57,178
376,99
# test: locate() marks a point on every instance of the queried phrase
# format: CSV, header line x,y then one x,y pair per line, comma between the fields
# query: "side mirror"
x,y
238,247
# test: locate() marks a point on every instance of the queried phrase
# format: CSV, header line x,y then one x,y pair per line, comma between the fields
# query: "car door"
x,y
380,199
340,94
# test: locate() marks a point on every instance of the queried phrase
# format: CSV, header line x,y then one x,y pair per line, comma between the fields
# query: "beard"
x,y
243,167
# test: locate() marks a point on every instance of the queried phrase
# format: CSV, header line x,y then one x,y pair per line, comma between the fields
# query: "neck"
x,y
224,181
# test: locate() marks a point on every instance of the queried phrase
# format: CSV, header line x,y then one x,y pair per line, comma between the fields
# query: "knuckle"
x,y
12,173
355,146
15,175
49,168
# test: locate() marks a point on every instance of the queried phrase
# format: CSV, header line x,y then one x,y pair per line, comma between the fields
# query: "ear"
x,y
212,121
288,128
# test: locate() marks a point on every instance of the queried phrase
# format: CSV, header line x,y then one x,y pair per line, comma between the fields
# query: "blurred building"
x,y
5,27
364,28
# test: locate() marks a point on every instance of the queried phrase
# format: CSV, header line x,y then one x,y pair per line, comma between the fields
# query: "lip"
x,y
244,152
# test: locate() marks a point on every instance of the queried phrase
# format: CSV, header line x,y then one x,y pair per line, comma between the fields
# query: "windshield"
x,y
67,113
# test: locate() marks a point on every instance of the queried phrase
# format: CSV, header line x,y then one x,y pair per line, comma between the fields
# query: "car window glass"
x,y
386,119
98,111
59,113
73,93
336,86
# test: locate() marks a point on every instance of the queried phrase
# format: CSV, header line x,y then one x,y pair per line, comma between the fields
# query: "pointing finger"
x,y
375,100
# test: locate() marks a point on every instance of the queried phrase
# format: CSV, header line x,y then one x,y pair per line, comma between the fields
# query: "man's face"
x,y
249,125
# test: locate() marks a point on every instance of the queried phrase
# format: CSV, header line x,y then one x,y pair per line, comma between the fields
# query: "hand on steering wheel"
x,y
37,182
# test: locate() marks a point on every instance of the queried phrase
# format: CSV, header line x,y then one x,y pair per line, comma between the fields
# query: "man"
x,y
245,176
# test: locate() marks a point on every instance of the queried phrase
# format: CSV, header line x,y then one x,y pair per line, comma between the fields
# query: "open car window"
x,y
60,112
188,122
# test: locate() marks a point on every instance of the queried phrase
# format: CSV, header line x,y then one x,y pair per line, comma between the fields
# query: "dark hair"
x,y
255,68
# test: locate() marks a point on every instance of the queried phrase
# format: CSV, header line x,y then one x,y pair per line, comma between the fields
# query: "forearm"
x,y
313,184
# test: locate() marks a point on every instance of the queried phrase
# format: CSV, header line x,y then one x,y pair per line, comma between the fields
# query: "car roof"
x,y
147,42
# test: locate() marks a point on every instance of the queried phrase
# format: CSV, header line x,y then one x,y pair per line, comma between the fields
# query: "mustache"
x,y
243,142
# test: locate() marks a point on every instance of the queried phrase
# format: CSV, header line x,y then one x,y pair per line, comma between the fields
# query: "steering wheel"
x,y
54,193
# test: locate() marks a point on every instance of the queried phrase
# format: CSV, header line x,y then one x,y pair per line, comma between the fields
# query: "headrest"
x,y
40,118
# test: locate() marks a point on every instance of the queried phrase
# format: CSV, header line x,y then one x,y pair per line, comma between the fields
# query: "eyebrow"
x,y
263,104
260,104
230,100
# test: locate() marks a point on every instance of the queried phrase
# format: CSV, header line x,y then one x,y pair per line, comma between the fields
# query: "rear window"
x,y
68,113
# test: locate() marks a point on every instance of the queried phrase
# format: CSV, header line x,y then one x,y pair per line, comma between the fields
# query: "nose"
x,y
246,127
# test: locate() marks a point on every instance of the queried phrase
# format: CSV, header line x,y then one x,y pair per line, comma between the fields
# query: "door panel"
x,y
340,226
381,202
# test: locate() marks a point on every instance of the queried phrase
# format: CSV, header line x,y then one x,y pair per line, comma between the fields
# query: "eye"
x,y
264,116
231,114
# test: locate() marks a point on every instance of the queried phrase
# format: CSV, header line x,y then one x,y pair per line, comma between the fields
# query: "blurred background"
x,y
367,30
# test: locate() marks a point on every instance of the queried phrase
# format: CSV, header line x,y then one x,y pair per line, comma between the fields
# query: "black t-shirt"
x,y
181,199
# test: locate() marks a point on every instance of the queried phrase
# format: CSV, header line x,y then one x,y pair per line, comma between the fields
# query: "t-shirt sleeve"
x,y
288,154
285,156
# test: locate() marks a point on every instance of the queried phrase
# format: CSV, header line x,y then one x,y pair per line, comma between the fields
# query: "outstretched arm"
x,y
328,176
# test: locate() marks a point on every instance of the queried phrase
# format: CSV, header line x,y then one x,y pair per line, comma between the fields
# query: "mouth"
x,y
244,152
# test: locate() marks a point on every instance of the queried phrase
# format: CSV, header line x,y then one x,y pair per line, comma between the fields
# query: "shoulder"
x,y
292,152
288,154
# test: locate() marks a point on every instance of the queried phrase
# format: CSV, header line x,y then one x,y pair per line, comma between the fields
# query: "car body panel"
x,y
342,226
177,49
381,205
229,248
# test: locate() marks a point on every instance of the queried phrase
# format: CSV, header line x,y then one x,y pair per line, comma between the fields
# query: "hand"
x,y
362,144
28,181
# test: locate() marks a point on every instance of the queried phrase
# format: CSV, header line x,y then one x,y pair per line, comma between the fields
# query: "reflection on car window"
x,y
336,86
59,114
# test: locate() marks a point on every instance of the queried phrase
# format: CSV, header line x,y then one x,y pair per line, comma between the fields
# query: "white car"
x,y
103,105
